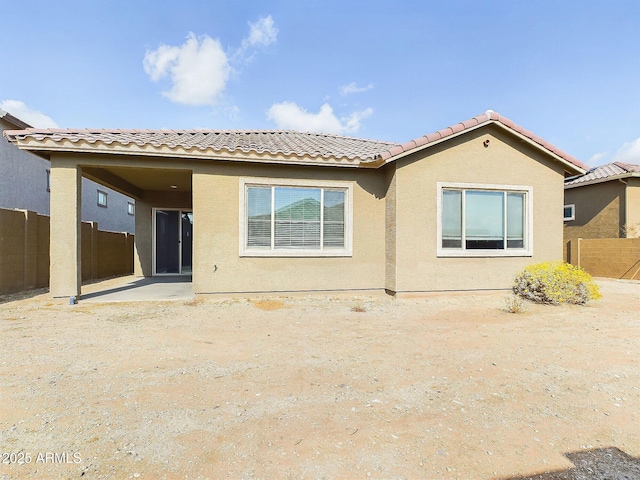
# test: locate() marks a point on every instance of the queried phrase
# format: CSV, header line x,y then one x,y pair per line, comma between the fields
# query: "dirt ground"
x,y
447,386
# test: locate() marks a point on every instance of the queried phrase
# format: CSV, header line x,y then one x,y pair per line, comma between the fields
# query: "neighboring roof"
x,y
476,122
604,173
16,122
279,146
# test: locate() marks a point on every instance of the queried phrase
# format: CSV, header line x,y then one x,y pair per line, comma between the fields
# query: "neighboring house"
x,y
603,203
464,208
25,184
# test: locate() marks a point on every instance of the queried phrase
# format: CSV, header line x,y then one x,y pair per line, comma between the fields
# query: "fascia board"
x,y
620,176
558,158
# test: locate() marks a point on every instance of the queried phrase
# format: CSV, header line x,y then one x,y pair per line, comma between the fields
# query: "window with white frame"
x,y
131,208
102,198
294,218
569,212
484,220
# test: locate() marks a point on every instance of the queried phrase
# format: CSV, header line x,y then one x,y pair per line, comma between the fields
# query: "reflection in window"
x,y
295,218
483,219
102,198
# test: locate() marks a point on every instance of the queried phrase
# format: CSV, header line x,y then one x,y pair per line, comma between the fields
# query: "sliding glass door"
x,y
173,242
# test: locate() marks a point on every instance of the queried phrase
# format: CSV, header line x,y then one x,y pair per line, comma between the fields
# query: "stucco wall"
x,y
218,268
390,230
23,177
633,208
506,161
114,217
394,218
599,212
23,185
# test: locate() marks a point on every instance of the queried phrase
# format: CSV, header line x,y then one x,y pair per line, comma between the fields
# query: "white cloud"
x,y
198,69
33,117
596,159
289,116
354,88
353,121
233,112
261,34
628,153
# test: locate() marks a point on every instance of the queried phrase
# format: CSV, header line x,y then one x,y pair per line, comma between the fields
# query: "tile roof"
x,y
287,143
306,148
603,173
629,167
480,120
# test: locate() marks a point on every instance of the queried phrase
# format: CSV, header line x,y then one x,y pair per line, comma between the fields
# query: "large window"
x,y
295,219
484,220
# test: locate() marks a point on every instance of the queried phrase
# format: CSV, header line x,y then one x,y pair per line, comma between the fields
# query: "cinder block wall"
x,y
12,250
606,257
24,251
105,254
114,256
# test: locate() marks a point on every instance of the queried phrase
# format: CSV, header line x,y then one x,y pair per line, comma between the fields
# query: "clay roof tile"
x,y
317,146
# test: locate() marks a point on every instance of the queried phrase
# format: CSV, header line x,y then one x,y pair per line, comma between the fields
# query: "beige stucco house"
x,y
603,203
463,208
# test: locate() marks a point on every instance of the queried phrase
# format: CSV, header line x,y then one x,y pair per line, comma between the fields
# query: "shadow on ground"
x,y
597,464
12,297
149,288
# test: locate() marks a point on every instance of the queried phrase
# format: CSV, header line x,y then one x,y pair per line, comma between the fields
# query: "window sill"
x,y
295,253
483,253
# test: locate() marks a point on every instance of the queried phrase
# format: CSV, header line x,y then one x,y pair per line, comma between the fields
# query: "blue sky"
x,y
567,70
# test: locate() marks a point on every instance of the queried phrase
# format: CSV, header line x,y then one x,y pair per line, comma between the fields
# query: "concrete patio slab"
x,y
131,289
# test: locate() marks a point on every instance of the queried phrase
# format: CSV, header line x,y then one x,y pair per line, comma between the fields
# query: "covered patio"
x,y
133,289
163,245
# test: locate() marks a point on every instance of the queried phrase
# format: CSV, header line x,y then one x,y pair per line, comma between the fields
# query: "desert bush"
x,y
631,231
514,304
555,283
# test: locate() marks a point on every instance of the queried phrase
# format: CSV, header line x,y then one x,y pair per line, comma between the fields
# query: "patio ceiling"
x,y
134,182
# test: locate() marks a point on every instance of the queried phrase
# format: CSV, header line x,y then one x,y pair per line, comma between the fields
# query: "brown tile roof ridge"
x,y
629,167
603,173
484,118
286,142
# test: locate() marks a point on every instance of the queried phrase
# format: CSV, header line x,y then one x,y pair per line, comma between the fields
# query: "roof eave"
x,y
595,181
568,165
16,122
45,149
406,153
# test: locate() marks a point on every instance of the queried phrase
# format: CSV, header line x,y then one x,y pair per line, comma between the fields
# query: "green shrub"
x,y
555,283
